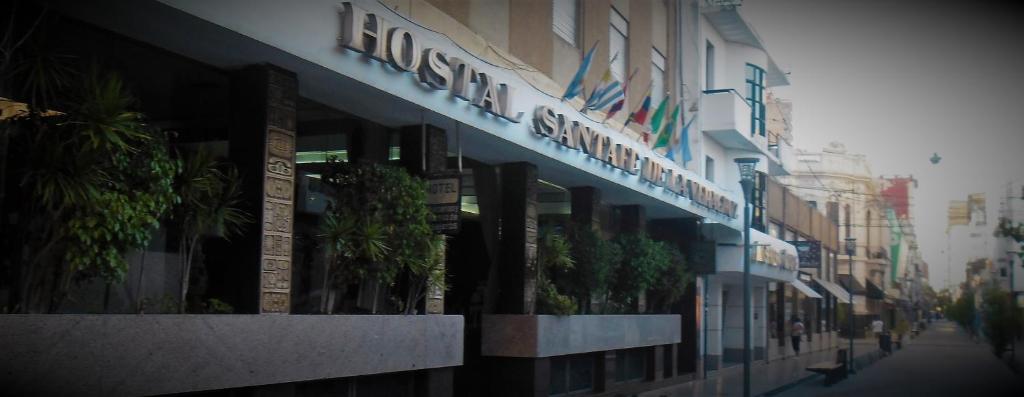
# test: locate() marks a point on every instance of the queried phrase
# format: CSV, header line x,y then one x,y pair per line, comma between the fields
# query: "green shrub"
x,y
594,259
378,225
553,259
643,260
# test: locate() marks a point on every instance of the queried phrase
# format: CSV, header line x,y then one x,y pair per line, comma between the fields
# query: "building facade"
x,y
844,184
471,93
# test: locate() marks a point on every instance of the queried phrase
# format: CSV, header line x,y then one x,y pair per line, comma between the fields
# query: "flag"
x,y
617,106
682,145
640,115
657,118
576,85
663,137
605,90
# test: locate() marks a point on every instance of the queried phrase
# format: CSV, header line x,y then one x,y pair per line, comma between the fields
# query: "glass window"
x,y
709,168
758,200
564,16
618,37
630,365
657,76
755,97
709,67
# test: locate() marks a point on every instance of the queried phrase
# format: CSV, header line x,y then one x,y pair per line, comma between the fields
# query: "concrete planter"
x,y
546,336
158,354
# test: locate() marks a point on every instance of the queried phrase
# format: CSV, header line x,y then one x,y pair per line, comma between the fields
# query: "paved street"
x,y
943,361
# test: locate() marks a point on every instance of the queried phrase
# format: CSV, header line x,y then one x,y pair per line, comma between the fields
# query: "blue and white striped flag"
x,y
575,87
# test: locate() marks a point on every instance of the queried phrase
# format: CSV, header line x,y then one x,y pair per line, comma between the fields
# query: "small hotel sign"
x,y
445,201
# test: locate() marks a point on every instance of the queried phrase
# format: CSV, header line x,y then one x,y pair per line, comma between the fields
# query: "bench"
x,y
833,371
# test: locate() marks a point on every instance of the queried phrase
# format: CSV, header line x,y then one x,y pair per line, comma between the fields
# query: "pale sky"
x,y
899,80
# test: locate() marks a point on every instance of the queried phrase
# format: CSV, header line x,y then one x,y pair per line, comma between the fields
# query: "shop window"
x,y
564,18
571,375
775,230
630,365
394,146
618,37
755,97
657,76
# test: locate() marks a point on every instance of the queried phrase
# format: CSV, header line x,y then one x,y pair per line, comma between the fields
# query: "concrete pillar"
x,y
424,151
585,202
732,323
632,218
714,328
760,327
518,271
262,145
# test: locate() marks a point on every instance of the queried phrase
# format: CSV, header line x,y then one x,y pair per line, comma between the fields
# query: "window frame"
x,y
575,18
616,18
754,76
709,65
709,168
658,58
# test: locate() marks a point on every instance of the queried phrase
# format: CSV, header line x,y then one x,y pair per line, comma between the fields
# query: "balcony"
x,y
58,354
771,259
727,120
547,336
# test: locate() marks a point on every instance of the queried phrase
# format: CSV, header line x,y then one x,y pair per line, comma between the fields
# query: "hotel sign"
x,y
445,201
377,38
655,170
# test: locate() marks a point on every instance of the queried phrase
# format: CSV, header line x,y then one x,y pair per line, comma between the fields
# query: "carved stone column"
x,y
263,146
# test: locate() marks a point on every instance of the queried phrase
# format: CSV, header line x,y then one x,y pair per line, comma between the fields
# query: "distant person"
x,y
877,327
796,333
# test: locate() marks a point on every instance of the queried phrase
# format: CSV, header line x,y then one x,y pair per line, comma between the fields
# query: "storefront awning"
x,y
842,295
799,285
874,291
845,281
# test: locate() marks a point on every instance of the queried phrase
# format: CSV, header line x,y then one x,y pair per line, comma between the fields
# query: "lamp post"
x,y
851,248
747,175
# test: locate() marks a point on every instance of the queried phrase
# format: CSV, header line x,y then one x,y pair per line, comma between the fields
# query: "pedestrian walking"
x,y
877,327
796,333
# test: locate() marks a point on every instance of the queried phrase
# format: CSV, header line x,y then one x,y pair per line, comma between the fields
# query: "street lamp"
x,y
747,175
851,248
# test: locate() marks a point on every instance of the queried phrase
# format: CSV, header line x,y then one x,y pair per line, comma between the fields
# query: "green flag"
x,y
658,116
670,128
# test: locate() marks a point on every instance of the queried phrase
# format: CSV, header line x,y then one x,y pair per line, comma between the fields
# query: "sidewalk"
x,y
766,377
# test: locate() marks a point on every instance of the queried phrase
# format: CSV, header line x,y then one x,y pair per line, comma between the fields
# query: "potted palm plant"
x,y
210,192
